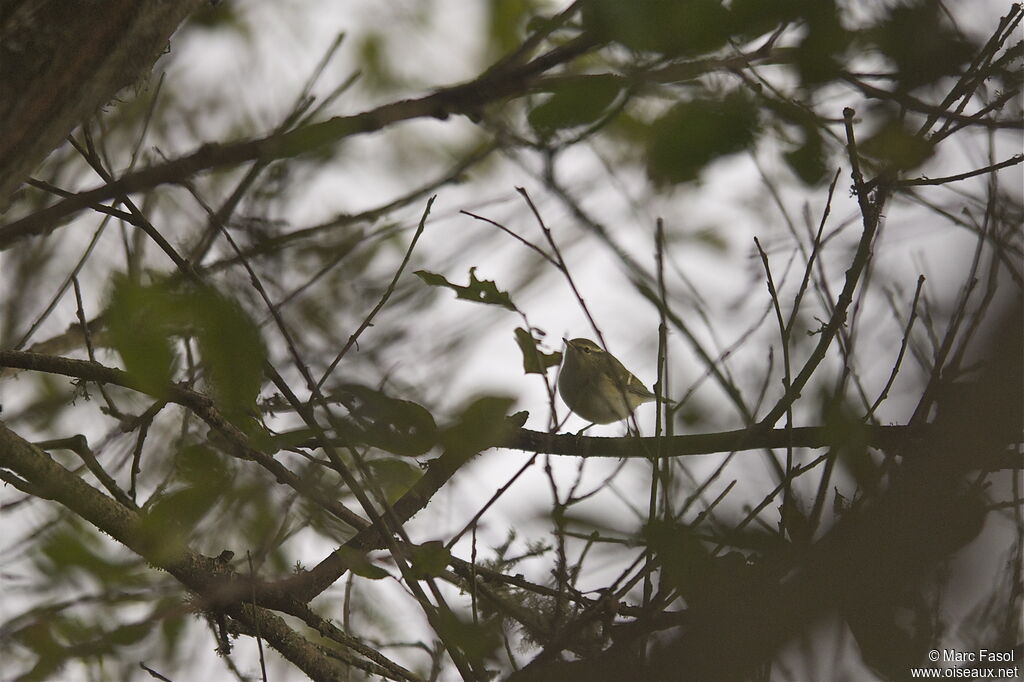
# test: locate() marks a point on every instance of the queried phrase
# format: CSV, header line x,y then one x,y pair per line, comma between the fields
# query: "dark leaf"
x,y
168,523
481,291
360,565
795,522
819,56
398,426
130,634
666,27
394,476
897,147
429,560
893,630
843,427
39,638
202,466
517,420
291,439
752,18
173,622
791,112
481,425
231,346
505,22
479,641
535,361
75,549
575,103
809,161
218,16
920,43
695,133
141,320
685,562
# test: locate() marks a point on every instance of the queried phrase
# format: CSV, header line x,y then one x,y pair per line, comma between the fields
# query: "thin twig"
x,y
464,97
259,638
787,377
899,356
870,216
63,288
494,498
528,244
918,182
815,250
384,299
80,446
114,411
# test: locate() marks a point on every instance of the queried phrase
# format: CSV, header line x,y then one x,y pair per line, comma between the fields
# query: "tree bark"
x,y
61,60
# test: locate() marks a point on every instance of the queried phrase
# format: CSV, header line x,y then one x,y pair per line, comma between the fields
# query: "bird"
x,y
596,386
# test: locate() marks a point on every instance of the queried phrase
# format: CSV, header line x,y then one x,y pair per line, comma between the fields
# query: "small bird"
x,y
596,386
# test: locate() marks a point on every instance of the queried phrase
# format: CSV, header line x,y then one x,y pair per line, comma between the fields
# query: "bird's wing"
x,y
636,387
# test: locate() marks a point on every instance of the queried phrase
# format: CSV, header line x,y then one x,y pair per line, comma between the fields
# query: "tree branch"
x,y
465,98
201,574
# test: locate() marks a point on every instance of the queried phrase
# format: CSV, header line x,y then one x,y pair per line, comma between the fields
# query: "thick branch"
x,y
898,440
203,575
63,59
198,403
466,98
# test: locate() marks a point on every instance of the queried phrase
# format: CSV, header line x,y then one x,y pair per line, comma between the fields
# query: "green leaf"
x,y
668,27
479,641
695,133
75,549
38,636
897,147
168,523
394,476
712,238
505,22
315,138
140,322
202,467
360,565
480,291
129,634
232,349
376,70
173,624
143,319
429,560
481,425
292,439
180,510
574,103
535,361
